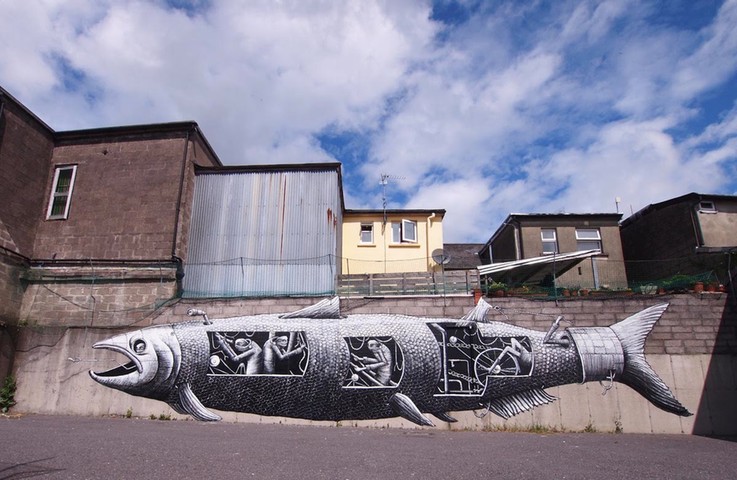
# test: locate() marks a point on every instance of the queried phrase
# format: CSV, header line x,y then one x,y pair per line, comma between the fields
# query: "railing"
x,y
414,283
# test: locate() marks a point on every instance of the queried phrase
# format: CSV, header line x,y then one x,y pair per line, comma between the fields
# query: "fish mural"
x,y
318,365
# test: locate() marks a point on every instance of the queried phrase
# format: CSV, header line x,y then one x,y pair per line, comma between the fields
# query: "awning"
x,y
534,270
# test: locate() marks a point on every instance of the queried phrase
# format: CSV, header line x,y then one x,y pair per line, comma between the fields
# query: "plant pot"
x,y
476,295
698,287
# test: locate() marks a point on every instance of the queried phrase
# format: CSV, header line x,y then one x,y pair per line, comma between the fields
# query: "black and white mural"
x,y
376,362
257,353
316,364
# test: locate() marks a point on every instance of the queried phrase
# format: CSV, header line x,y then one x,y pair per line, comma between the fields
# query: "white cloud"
x,y
255,75
462,200
521,107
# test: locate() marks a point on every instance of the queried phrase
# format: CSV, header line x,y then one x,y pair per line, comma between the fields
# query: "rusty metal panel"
x,y
264,233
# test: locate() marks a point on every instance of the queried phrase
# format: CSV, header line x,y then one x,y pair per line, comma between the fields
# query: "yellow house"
x,y
391,241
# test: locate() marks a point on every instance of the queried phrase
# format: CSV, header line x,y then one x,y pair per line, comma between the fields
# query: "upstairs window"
x,y
404,231
61,192
706,206
588,239
367,233
550,241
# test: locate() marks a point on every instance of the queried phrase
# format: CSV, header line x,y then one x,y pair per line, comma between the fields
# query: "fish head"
x,y
154,357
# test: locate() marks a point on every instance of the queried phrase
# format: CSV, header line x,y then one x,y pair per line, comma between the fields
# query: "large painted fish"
x,y
314,364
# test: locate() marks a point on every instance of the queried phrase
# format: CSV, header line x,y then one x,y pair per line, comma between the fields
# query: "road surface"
x,y
51,447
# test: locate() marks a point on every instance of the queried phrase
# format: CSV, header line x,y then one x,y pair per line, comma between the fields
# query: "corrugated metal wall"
x,y
267,233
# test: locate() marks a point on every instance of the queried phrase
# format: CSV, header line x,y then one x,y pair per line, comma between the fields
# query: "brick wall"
x,y
693,324
11,290
111,297
25,151
124,201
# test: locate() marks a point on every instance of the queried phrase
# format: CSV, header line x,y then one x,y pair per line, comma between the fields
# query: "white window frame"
x,y
406,236
581,236
707,206
67,194
366,227
553,240
402,234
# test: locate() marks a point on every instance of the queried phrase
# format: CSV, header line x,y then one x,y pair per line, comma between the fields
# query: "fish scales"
x,y
314,364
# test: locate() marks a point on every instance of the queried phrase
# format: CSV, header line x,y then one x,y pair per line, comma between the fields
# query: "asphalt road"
x,y
119,448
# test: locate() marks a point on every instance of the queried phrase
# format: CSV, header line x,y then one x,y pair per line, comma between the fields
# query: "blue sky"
x,y
482,108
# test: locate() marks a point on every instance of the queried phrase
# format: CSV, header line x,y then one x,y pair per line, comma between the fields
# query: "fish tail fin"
x,y
637,373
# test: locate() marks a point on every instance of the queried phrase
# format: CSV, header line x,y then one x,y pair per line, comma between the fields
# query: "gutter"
x,y
179,195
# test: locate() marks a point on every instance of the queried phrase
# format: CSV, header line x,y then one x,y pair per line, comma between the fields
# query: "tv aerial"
x,y
385,177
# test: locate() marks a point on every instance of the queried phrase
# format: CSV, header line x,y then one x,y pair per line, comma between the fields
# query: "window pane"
x,y
367,234
588,245
550,247
409,231
396,232
59,205
64,181
548,234
587,234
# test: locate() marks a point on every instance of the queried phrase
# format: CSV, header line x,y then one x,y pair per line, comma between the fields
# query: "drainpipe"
x,y
517,242
179,196
695,224
427,236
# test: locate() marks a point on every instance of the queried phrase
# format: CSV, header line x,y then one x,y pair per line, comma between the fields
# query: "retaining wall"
x,y
692,348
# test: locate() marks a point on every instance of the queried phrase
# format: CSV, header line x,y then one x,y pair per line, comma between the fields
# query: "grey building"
x,y
532,235
265,230
688,235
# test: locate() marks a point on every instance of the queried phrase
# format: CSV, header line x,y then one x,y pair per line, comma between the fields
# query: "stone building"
x,y
694,234
526,236
93,223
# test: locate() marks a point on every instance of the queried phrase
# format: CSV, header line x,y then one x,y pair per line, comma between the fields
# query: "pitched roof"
x,y
463,256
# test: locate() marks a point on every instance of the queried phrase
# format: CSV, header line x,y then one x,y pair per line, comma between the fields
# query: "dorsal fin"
x,y
516,403
326,308
478,314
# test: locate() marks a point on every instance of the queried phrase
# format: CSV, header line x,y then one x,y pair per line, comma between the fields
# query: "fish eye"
x,y
139,346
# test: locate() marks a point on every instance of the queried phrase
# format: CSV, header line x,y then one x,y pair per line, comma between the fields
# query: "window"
x,y
550,241
588,239
404,231
707,207
367,233
61,192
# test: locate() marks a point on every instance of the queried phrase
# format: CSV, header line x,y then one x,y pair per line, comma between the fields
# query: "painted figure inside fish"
x,y
314,364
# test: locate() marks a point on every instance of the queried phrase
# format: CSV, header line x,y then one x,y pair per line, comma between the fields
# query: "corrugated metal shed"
x,y
268,231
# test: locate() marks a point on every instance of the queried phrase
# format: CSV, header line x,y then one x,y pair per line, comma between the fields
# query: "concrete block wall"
x,y
124,202
26,146
98,301
52,363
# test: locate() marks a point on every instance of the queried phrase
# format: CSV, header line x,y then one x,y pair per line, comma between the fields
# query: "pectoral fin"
x,y
189,403
406,408
444,416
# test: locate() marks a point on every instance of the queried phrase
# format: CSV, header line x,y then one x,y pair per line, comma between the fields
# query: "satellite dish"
x,y
440,257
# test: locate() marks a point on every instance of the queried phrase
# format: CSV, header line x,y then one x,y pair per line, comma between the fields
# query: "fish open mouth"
x,y
133,366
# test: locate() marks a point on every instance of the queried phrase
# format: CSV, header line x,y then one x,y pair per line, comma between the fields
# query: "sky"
x,y
481,108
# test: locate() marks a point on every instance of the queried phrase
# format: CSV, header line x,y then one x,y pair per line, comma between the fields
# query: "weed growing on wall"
x,y
7,394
